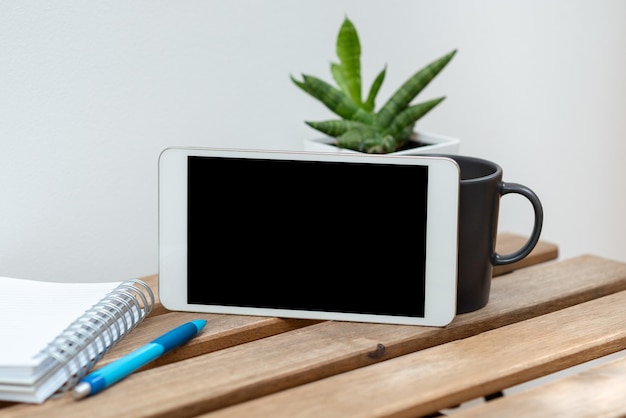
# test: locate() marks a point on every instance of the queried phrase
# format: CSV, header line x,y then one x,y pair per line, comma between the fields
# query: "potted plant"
x,y
361,128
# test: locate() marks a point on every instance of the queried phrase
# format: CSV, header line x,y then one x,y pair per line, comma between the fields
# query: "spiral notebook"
x,y
52,334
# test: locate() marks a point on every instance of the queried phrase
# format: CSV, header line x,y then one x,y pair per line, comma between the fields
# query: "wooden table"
x,y
545,316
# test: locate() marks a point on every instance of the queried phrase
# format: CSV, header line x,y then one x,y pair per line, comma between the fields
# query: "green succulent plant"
x,y
361,127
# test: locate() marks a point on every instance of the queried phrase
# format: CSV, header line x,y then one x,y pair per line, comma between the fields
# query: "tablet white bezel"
x,y
441,238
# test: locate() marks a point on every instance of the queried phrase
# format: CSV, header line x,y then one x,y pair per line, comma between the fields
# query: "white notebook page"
x,y
33,313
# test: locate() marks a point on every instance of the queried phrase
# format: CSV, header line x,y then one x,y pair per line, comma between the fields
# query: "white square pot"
x,y
436,144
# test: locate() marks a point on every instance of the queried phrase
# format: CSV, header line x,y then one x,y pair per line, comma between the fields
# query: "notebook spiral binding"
x,y
79,347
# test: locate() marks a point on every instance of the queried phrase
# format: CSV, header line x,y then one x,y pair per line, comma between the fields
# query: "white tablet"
x,y
347,237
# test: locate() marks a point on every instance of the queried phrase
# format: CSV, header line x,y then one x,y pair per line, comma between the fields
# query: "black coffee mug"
x,y
481,188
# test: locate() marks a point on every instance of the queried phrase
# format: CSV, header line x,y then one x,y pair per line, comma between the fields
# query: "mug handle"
x,y
505,188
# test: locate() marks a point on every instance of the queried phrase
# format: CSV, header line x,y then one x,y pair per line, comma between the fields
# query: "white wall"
x,y
91,92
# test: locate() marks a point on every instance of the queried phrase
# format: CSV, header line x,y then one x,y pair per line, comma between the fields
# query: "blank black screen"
x,y
307,235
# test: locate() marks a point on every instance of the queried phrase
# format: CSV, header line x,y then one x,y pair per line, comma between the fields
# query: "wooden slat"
x,y
441,377
221,331
247,371
596,392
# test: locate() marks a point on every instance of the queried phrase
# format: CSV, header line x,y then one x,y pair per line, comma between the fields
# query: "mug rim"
x,y
497,170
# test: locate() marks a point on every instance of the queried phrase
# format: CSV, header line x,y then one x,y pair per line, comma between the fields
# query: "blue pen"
x,y
101,379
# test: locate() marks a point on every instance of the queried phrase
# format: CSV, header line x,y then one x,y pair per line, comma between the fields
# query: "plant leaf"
x,y
366,139
410,115
349,53
335,70
411,88
300,84
336,100
370,103
335,127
